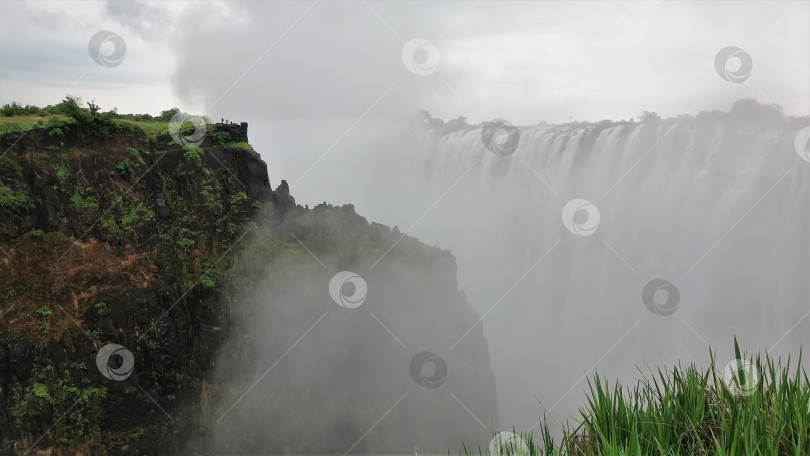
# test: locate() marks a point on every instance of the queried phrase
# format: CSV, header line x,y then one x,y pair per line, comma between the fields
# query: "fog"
x,y
587,247
332,350
614,248
559,241
711,207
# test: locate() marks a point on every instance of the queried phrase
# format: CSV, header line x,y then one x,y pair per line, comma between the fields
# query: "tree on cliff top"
x,y
96,122
166,116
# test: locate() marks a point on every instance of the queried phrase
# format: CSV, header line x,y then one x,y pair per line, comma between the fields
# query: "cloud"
x,y
296,60
149,20
523,62
45,47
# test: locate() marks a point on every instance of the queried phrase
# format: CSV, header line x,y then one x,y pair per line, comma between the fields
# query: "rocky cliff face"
x,y
156,299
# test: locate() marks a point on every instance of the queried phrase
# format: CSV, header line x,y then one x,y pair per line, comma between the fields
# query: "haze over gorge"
x,y
391,227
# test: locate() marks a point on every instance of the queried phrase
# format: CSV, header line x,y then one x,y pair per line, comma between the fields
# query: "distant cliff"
x,y
201,276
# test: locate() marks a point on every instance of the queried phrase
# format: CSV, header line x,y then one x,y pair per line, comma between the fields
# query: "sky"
x,y
318,81
522,61
324,85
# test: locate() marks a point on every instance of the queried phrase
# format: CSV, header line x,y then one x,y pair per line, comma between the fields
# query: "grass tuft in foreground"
x,y
752,406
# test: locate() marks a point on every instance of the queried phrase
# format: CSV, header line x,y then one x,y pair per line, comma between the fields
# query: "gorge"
x,y
203,278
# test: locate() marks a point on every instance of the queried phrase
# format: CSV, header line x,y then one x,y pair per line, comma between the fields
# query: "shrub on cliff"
x,y
96,122
14,201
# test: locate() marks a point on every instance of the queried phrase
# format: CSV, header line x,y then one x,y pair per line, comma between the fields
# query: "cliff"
x,y
146,288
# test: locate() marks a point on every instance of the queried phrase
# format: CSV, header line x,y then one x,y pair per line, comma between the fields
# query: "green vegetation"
x,y
193,153
112,230
82,420
57,119
58,125
151,128
136,155
187,236
138,215
9,160
14,202
131,223
759,407
220,138
94,121
80,407
206,208
53,237
45,315
241,145
14,109
210,275
25,288
81,199
62,173
120,168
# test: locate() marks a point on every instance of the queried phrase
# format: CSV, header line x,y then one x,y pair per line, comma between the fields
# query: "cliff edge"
x,y
159,299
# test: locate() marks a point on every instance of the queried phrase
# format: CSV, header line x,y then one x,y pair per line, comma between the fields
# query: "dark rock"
x,y
150,268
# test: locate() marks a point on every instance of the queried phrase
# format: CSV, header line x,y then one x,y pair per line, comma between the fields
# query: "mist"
x,y
715,204
333,351
706,214
614,248
643,198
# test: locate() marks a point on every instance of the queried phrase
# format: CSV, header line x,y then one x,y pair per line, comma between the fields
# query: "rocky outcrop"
x,y
202,275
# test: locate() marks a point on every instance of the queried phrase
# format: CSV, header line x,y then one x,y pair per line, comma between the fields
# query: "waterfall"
x,y
709,212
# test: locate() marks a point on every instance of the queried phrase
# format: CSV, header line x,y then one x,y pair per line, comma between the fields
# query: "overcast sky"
x,y
323,83
525,62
